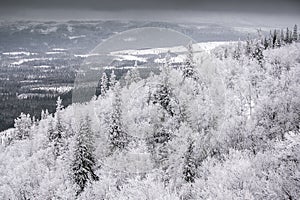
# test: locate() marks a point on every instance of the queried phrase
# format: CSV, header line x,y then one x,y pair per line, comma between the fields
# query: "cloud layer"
x,y
200,5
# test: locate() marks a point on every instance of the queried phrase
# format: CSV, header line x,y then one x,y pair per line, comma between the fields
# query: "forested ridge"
x,y
221,126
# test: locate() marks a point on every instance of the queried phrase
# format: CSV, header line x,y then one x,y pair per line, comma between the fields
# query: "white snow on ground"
x,y
18,53
206,46
42,66
48,30
59,49
177,59
180,50
27,95
86,55
209,46
125,67
130,57
30,81
54,52
59,89
76,37
22,61
148,51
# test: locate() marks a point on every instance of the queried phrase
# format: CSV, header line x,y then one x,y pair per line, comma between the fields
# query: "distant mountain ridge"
x,y
81,36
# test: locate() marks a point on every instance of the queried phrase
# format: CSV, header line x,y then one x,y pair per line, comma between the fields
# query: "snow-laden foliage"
x,y
227,130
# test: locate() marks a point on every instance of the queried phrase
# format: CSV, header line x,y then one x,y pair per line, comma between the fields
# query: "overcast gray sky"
x,y
207,5
251,11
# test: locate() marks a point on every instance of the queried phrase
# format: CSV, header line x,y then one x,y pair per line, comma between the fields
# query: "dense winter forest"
x,y
223,126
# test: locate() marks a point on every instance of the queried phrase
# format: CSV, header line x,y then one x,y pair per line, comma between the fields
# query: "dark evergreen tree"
x,y
50,131
258,53
112,80
189,65
266,44
117,135
56,135
295,34
282,40
248,49
291,37
189,166
163,96
226,53
84,162
287,36
237,52
104,84
274,39
158,143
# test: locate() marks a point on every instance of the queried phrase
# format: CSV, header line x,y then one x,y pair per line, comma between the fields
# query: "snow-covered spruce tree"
x,y
158,143
287,36
295,34
23,124
258,53
166,123
266,44
281,37
117,136
163,95
189,166
50,129
189,171
44,114
112,80
189,64
103,84
132,76
84,162
248,48
56,135
237,52
274,39
59,108
135,74
226,53
128,78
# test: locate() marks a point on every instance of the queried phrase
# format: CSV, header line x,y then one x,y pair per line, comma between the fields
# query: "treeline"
x,y
11,107
280,38
253,48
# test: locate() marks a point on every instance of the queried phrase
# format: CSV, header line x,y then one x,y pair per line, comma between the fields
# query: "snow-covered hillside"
x,y
223,128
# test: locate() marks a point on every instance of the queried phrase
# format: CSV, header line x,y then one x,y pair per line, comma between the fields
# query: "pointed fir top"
x,y
59,104
113,79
